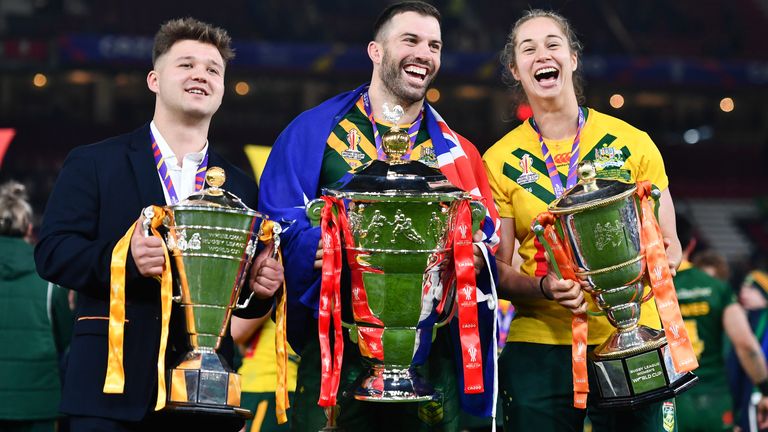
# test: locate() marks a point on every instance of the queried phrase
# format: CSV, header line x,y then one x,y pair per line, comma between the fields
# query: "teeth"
x,y
196,91
545,70
417,70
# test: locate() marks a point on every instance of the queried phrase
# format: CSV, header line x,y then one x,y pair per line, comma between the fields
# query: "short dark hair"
x,y
685,230
419,7
715,261
191,29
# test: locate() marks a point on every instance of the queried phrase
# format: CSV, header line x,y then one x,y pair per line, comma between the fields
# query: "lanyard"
x,y
162,169
554,176
412,131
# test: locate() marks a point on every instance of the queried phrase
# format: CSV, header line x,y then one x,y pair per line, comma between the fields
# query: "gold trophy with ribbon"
x,y
399,226
211,239
606,232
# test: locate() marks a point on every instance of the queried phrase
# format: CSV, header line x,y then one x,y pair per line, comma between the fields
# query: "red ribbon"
x,y
466,291
369,337
683,356
330,305
579,326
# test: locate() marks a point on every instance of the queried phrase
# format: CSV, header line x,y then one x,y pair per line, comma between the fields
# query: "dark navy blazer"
x,y
100,192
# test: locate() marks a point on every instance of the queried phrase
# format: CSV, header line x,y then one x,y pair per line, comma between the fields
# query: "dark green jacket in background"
x,y
35,328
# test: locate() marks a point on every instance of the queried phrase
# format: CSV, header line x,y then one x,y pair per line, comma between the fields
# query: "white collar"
x,y
169,155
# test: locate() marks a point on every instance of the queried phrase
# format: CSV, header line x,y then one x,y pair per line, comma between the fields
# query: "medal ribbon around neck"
x,y
412,131
554,176
162,169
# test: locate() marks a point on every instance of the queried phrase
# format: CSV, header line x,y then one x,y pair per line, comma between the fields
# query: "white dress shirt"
x,y
183,177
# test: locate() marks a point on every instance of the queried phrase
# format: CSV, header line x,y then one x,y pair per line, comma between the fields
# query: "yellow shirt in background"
x,y
259,369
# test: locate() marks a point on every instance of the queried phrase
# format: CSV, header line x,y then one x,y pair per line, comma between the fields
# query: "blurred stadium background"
x,y
693,74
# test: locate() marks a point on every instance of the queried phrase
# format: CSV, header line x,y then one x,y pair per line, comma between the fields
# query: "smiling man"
x,y
319,149
98,196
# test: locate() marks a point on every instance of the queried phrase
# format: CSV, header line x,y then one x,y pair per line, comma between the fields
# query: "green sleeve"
x,y
62,317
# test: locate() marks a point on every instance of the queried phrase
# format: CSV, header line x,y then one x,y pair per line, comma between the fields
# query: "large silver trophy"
x,y
212,238
599,222
401,216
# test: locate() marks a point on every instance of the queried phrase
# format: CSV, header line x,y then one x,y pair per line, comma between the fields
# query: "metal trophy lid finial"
x,y
214,195
215,178
587,176
396,141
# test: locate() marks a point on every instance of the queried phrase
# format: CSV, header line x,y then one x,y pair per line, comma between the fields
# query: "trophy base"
x,y
636,374
394,385
203,383
225,411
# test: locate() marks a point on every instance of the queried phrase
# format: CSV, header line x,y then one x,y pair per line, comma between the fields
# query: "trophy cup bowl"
x,y
212,238
400,215
598,221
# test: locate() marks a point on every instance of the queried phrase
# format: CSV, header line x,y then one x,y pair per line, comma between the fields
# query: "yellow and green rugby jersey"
x,y
522,189
351,144
703,300
259,369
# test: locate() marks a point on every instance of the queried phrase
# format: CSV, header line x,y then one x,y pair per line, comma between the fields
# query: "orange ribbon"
x,y
114,382
281,351
560,260
683,356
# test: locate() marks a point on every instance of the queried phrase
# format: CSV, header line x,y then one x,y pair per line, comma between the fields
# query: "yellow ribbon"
x,y
281,352
114,382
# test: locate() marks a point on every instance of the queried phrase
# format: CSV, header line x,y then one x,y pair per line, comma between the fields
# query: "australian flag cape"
x,y
291,179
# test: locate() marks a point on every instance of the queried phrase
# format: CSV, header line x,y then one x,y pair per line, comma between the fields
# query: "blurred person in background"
x,y
35,325
528,169
319,149
258,372
712,263
91,221
711,313
753,296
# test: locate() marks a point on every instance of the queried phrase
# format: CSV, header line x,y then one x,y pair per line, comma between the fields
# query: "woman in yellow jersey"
x,y
541,59
256,338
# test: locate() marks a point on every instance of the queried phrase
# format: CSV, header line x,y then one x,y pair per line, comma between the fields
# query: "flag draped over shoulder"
x,y
291,179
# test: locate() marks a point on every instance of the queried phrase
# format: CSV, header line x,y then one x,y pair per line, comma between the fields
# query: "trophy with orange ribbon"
x,y
405,233
605,232
211,239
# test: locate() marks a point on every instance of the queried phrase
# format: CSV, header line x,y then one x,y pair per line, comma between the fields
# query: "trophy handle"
x,y
656,195
478,214
146,226
276,230
314,208
538,229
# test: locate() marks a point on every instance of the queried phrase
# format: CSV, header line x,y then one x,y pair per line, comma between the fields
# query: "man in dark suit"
x,y
100,193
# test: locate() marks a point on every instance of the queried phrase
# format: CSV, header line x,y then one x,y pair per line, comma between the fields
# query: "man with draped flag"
x,y
127,330
319,149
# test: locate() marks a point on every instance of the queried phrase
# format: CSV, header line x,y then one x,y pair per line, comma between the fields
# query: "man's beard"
x,y
391,77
